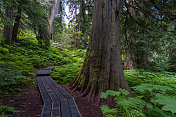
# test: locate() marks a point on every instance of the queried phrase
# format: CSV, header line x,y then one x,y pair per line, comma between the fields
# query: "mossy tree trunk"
x,y
102,69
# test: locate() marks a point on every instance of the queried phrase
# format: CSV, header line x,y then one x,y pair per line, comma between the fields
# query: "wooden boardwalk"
x,y
57,102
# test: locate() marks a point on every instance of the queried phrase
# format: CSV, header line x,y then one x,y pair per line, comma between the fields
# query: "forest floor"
x,y
30,104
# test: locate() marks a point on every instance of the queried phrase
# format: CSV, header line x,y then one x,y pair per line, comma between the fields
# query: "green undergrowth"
x,y
154,95
7,111
137,77
19,61
125,106
66,73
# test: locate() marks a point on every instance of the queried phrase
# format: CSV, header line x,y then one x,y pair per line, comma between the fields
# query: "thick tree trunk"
x,y
102,69
7,31
16,25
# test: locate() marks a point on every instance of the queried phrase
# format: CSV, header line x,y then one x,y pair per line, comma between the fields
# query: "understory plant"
x,y
19,61
125,106
149,100
65,74
137,77
7,111
161,100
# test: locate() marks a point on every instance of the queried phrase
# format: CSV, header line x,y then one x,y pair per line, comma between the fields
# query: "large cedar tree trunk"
x,y
102,69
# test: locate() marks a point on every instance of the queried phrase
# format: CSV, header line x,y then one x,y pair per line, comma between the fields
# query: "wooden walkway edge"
x,y
57,102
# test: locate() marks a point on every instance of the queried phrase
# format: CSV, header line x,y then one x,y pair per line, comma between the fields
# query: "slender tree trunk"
x,y
16,25
77,41
129,60
7,31
82,16
53,12
102,69
128,63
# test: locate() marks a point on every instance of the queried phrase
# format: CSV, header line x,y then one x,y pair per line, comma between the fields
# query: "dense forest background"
x,y
38,33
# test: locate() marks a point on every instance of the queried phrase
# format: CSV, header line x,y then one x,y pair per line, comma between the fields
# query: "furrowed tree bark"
x,y
102,69
7,31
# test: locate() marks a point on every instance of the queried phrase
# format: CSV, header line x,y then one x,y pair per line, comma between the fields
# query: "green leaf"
x,y
110,92
168,102
123,91
108,112
150,87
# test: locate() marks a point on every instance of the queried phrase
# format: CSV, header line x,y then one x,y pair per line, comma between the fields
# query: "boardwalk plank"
x,y
57,102
47,107
65,109
49,68
56,105
56,112
46,114
60,89
73,108
55,90
44,73
43,92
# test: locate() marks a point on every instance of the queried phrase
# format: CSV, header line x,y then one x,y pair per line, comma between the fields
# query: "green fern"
x,y
133,113
110,92
125,106
131,106
107,112
6,111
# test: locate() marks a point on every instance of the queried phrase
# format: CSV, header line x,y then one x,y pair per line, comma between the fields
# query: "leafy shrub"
x,y
154,111
159,96
19,61
66,73
79,53
150,88
6,111
125,106
11,80
166,101
137,77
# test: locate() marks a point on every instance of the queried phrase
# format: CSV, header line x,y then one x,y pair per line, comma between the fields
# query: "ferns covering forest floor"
x,y
155,92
